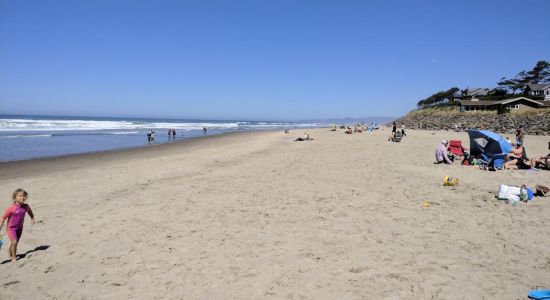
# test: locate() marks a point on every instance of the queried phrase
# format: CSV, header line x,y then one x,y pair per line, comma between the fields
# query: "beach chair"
x,y
495,162
397,137
456,148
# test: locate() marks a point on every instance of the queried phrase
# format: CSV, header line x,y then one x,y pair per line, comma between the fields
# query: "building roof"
x,y
538,86
543,103
477,92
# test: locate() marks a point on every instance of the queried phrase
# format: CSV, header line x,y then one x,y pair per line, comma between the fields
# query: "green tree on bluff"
x,y
438,98
539,74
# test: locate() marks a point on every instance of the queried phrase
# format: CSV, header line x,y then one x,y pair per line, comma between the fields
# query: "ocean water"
x,y
27,137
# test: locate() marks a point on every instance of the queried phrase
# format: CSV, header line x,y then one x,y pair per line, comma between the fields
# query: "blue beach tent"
x,y
488,143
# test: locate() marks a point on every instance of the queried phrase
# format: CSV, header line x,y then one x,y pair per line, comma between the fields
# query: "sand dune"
x,y
256,215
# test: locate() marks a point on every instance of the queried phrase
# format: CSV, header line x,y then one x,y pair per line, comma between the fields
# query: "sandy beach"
x,y
256,215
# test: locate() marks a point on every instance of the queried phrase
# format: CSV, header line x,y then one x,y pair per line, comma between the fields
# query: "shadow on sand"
x,y
20,256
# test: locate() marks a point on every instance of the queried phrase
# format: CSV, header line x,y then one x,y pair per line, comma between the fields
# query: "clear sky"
x,y
272,60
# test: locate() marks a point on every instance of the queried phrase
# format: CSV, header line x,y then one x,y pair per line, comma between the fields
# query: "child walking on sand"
x,y
16,216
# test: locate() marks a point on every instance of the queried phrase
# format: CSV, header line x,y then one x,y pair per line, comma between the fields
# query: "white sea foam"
x,y
56,125
5,137
123,132
133,127
76,125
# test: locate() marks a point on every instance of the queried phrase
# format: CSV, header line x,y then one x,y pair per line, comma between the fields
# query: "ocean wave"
x,y
123,132
5,137
8,125
136,126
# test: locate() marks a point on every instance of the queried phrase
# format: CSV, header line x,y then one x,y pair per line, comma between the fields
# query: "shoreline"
x,y
177,141
110,155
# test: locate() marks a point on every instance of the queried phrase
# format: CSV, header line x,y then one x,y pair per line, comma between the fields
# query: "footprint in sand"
x,y
11,283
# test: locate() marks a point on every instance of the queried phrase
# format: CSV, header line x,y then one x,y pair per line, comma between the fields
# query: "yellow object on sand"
x,y
449,181
426,204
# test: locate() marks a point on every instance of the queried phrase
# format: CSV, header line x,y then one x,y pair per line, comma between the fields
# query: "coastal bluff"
x,y
533,122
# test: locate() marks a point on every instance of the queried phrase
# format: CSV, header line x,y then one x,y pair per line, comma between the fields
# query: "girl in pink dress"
x,y
16,216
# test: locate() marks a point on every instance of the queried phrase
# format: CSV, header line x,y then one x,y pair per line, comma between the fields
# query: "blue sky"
x,y
272,60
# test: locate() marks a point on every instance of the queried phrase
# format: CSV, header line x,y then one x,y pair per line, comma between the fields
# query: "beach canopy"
x,y
488,143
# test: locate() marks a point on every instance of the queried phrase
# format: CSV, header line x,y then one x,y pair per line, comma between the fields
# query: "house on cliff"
x,y
514,104
538,91
472,93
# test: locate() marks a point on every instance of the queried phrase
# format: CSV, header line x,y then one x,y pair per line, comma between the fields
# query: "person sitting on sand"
x,y
306,137
348,130
542,162
441,154
516,158
516,152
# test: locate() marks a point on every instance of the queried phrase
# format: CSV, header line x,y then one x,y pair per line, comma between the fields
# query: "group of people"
x,y
397,134
171,134
394,129
515,159
151,137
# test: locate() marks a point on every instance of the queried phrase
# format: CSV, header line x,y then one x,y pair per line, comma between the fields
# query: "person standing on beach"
x,y
16,217
519,136
169,134
152,136
149,137
204,130
403,129
394,128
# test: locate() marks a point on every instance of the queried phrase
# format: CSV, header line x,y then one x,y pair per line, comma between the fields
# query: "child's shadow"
x,y
20,256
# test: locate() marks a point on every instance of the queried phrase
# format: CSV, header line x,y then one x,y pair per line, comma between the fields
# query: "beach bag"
x,y
541,190
514,194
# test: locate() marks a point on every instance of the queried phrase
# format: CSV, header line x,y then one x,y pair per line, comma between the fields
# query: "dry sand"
x,y
258,216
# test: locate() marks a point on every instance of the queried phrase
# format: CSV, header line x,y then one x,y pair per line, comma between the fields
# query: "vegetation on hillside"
x,y
507,88
438,98
539,74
